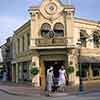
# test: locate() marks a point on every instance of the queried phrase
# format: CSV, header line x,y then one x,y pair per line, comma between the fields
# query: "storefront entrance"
x,y
56,66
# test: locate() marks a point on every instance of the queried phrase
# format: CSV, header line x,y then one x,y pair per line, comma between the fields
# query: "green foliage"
x,y
34,71
70,70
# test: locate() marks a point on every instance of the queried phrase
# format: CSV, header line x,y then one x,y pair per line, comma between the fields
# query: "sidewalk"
x,y
19,89
28,90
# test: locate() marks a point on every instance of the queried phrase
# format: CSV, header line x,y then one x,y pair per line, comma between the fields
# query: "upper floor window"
x,y
45,28
83,37
23,43
14,49
58,30
28,40
96,39
18,45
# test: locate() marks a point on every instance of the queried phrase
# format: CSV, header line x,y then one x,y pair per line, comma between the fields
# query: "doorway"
x,y
56,66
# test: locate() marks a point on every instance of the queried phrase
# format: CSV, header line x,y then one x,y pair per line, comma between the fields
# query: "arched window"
x,y
83,37
96,39
45,28
59,30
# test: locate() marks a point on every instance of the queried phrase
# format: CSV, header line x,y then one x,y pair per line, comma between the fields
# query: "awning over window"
x,y
88,59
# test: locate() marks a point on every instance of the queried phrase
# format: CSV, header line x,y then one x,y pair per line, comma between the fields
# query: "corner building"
x,y
50,38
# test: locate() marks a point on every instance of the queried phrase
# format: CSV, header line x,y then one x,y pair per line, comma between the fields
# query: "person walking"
x,y
62,78
4,76
50,76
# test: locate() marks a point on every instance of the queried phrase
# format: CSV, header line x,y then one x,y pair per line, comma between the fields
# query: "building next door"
x,y
56,66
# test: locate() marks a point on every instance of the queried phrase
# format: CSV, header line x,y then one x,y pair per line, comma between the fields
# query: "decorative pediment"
x,y
51,9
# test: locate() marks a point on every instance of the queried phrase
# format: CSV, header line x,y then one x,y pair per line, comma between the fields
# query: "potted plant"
x,y
34,71
70,69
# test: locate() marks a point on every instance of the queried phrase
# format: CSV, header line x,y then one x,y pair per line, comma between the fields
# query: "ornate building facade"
x,y
50,38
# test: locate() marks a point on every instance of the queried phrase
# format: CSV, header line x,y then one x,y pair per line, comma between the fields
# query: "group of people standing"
x,y
61,80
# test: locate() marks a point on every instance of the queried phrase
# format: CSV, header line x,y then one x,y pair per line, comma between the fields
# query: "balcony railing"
x,y
44,42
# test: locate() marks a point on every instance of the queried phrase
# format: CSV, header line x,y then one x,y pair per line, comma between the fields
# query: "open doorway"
x,y
56,66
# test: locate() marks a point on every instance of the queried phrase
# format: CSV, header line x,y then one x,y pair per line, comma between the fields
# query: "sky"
x,y
14,13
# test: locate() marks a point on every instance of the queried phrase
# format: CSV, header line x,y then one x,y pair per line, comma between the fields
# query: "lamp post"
x,y
80,67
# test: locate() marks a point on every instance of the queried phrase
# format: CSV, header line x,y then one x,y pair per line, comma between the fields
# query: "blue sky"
x,y
13,13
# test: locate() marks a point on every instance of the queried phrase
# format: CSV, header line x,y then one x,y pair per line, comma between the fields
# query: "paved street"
x,y
92,96
14,91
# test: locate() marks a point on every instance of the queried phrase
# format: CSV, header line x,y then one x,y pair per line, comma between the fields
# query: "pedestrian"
x,y
62,78
25,75
4,76
50,76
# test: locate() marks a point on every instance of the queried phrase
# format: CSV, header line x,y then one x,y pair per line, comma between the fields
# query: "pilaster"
x,y
36,79
16,72
13,73
90,74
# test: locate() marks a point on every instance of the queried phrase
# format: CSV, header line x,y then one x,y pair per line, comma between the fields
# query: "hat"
x,y
51,68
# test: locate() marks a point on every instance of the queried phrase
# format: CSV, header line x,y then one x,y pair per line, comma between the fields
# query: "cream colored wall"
x,y
36,79
19,35
37,19
89,26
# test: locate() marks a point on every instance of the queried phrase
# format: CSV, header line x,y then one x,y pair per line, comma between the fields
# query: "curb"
x,y
13,93
53,95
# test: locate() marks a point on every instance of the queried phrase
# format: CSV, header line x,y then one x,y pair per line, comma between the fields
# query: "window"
x,y
96,70
14,49
59,30
83,36
96,39
18,45
45,28
23,43
28,40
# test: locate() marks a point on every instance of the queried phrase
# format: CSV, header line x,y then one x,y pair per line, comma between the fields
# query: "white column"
x,y
73,59
34,27
36,78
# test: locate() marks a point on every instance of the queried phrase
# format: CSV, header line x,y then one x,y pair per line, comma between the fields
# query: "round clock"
x,y
51,8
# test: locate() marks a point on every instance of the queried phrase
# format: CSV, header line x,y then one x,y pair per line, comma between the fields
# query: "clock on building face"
x,y
51,8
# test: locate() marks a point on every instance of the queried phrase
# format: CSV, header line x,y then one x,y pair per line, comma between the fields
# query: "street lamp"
x,y
80,67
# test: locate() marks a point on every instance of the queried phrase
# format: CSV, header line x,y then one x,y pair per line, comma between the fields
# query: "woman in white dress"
x,y
50,76
62,78
4,76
